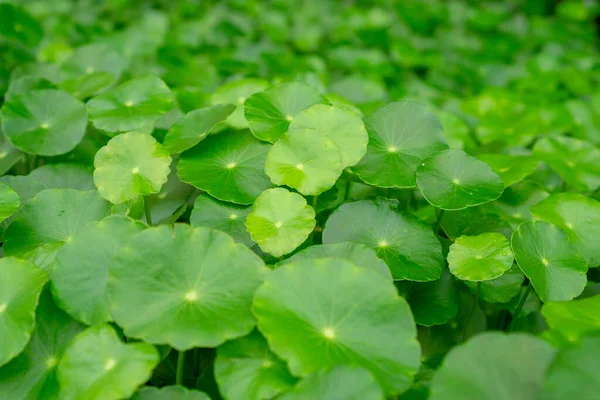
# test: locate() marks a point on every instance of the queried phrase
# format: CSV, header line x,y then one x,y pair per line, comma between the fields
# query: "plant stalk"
x,y
438,221
467,327
147,211
519,307
180,367
347,189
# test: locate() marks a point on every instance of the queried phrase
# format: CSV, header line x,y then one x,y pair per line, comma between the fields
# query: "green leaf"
x,y
343,382
573,319
45,122
576,161
405,243
351,315
339,124
185,287
280,221
130,164
270,112
236,92
502,289
579,217
49,220
453,180
192,128
169,393
493,366
226,217
245,368
433,303
550,261
135,104
229,166
307,161
64,176
401,136
10,201
573,375
32,375
356,253
17,24
511,169
480,258
26,187
21,283
97,365
80,270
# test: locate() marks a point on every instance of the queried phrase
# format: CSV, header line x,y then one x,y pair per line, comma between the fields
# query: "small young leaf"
x,y
480,258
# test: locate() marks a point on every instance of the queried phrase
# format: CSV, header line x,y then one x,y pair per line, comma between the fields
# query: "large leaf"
x,y
64,176
573,319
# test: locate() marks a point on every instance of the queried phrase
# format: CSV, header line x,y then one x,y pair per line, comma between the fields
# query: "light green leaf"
x,y
511,169
502,289
573,319
236,92
169,393
10,201
480,258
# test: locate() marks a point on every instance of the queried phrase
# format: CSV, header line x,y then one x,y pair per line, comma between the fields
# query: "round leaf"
x,y
502,289
579,217
453,180
195,126
406,244
185,287
401,135
130,164
339,124
45,122
350,315
64,176
270,112
135,104
356,253
480,258
229,166
21,283
307,161
343,382
80,270
9,201
245,368
280,221
98,366
49,220
511,169
493,366
573,319
237,92
169,393
550,261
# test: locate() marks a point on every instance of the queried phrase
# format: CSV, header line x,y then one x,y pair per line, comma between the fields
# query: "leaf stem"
x,y
314,202
438,221
180,367
519,307
147,211
467,328
31,158
347,189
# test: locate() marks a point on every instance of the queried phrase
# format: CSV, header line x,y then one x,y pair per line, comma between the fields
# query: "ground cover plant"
x,y
288,200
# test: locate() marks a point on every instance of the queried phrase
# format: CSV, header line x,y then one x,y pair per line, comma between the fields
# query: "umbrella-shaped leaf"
x,y
9,201
339,124
401,135
45,122
280,221
576,161
49,220
194,126
573,373
573,319
511,169
169,393
26,187
32,375
579,217
306,161
245,368
80,270
182,286
130,164
98,366
64,176
350,315
356,253
229,166
227,217
550,261
406,244
480,258
17,24
493,366
501,289
237,92
21,283
453,180
343,382
270,112
135,104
